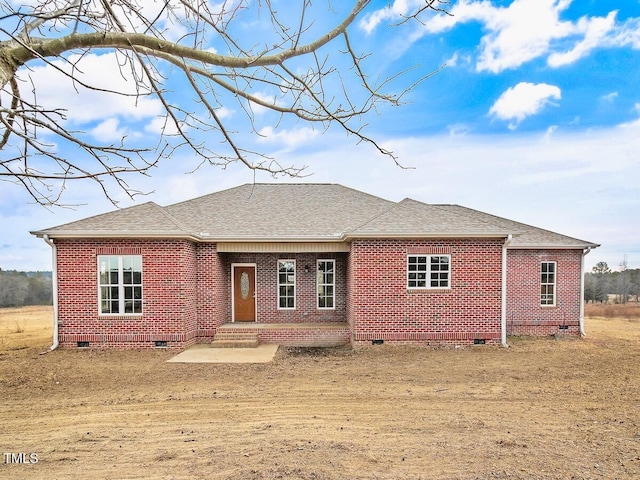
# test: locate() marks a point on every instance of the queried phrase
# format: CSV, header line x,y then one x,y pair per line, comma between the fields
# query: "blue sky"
x,y
534,116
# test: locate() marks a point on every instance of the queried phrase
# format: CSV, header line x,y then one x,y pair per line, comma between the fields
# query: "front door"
x,y
244,293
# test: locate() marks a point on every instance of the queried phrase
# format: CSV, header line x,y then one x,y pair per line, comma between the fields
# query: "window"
x,y
120,284
325,282
428,271
548,283
287,284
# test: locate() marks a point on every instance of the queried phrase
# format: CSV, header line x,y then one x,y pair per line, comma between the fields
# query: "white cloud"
x,y
162,125
521,31
523,100
595,31
258,109
109,131
57,90
627,34
391,12
290,138
610,97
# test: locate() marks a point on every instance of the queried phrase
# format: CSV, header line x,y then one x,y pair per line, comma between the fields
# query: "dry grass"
x,y
25,327
627,311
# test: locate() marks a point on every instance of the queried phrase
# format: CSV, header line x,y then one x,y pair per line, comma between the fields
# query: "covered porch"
x,y
292,294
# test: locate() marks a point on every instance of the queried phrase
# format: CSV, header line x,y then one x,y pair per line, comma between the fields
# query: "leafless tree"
x,y
296,71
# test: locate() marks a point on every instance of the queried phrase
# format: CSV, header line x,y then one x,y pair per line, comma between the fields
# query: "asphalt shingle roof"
x,y
305,212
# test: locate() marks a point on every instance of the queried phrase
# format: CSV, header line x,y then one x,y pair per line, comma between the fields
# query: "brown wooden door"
x,y
244,293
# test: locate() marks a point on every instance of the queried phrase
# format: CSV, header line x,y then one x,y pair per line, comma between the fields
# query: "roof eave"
x,y
403,236
550,246
272,239
94,234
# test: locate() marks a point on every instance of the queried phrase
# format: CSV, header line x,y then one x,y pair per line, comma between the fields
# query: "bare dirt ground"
x,y
548,408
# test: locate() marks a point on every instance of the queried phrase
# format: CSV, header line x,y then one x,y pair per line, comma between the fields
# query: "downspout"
x,y
584,253
503,326
54,281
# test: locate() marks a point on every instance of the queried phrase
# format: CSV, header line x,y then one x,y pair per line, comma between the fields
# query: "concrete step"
x,y
226,339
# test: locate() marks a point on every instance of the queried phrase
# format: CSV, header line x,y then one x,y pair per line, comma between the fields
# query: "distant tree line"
x,y
18,289
623,285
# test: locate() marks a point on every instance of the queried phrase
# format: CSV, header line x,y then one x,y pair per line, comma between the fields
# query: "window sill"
x,y
428,290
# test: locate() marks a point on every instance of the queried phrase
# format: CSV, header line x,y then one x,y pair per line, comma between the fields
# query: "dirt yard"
x,y
549,408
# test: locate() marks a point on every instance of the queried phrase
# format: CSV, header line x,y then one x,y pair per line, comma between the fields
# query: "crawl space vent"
x,y
83,344
160,343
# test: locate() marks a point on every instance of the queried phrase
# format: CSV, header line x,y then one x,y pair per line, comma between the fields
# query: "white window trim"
x,y
333,295
428,271
121,286
295,279
555,284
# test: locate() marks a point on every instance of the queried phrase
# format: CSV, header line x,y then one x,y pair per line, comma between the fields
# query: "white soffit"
x,y
278,247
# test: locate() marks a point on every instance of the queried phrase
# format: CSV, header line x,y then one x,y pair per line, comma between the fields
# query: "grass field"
x,y
547,408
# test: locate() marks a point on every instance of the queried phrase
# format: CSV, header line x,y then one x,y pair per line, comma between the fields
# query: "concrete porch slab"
x,y
204,353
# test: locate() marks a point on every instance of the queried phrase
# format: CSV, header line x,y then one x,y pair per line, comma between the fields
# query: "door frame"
x,y
233,290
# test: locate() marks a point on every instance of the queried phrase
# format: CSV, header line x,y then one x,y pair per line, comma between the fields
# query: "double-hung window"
x,y
428,271
326,284
120,284
548,283
287,284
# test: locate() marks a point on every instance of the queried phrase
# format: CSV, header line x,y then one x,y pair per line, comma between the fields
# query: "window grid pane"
x,y
548,283
286,284
430,271
325,284
120,284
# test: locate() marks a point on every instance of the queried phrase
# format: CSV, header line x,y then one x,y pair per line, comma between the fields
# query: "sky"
x,y
533,114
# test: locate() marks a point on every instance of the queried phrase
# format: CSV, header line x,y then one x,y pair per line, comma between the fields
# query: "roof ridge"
x,y
464,215
384,212
178,223
445,207
98,215
525,226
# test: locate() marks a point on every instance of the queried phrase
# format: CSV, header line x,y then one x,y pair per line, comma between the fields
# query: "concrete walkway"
x,y
204,353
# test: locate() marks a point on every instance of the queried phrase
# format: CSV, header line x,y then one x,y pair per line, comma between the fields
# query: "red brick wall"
x,y
169,294
382,308
212,291
187,293
525,315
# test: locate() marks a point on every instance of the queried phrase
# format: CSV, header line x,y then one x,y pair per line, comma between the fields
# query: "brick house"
x,y
310,264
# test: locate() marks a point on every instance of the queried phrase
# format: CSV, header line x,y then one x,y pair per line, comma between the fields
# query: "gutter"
x,y
503,326
54,281
584,253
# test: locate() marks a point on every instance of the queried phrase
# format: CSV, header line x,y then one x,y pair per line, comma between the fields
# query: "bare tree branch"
x,y
295,70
